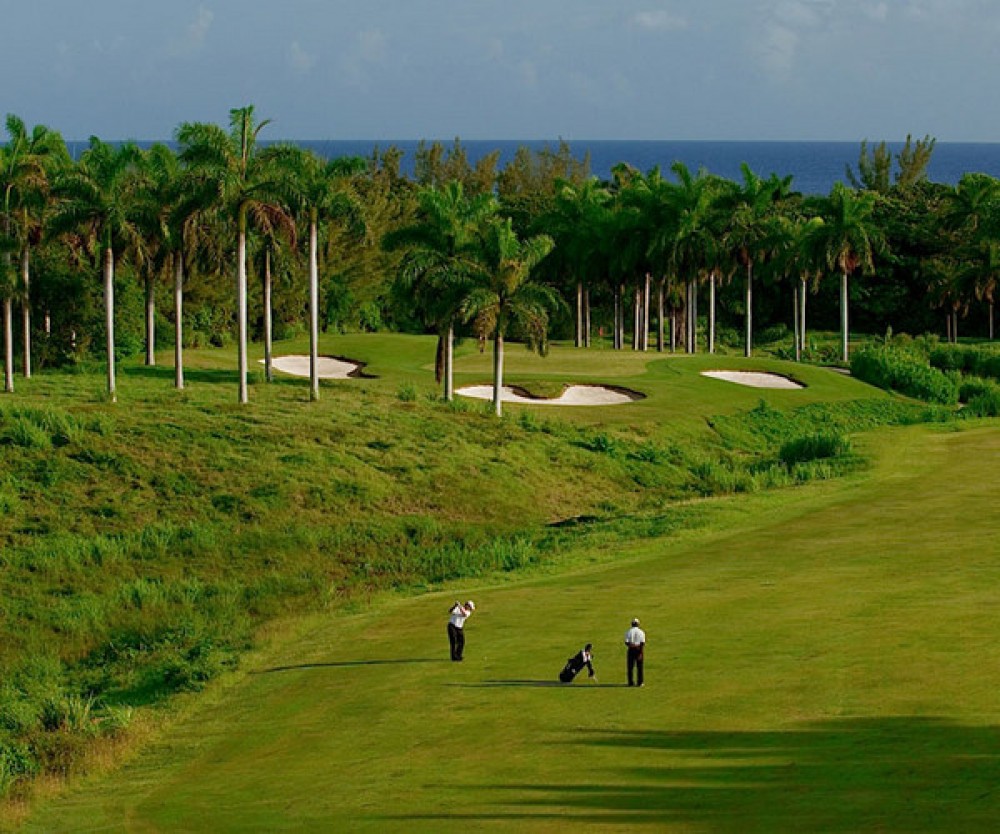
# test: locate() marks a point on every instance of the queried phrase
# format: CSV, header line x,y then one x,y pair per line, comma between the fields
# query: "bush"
x,y
902,371
974,386
814,447
984,405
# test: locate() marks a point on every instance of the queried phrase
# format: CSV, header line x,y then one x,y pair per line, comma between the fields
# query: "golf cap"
x,y
635,621
470,605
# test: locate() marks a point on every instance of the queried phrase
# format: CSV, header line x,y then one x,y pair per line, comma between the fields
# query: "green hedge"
x,y
901,371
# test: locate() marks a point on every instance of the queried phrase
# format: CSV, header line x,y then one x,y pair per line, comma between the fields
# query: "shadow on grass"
x,y
347,664
864,774
539,683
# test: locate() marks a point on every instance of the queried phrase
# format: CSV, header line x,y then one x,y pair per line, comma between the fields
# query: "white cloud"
x,y
876,11
659,20
370,50
776,50
194,35
300,60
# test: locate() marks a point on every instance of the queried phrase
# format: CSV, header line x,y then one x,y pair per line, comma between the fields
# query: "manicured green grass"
x,y
820,659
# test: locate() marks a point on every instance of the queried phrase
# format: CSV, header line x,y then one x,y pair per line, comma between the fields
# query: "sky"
x,y
509,69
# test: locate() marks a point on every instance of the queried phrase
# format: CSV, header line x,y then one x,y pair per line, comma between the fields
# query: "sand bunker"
x,y
327,366
754,379
573,395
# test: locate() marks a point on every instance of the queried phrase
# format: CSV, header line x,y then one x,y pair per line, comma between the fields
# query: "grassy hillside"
x,y
145,542
815,662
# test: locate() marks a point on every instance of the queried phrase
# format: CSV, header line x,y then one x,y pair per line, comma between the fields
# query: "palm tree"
x,y
246,187
320,192
574,224
971,210
504,295
747,237
27,163
847,240
441,248
98,207
796,260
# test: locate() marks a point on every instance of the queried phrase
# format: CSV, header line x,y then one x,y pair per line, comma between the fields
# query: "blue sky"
x,y
510,69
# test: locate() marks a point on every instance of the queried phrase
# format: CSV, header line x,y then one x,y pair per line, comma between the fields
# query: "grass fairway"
x,y
823,659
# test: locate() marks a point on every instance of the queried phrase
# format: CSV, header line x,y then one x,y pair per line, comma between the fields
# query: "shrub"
x,y
984,405
407,392
902,371
973,387
814,447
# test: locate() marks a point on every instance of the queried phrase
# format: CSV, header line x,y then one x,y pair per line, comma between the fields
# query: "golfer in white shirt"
x,y
458,614
635,642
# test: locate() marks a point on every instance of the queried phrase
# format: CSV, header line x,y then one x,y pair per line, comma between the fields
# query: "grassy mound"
x,y
145,543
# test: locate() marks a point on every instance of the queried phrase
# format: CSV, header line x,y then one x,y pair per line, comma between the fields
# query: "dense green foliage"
x,y
900,370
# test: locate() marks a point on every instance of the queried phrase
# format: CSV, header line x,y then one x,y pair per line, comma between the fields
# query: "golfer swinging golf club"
x,y
575,665
458,614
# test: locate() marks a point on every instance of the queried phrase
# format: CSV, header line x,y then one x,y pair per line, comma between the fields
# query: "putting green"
x,y
818,659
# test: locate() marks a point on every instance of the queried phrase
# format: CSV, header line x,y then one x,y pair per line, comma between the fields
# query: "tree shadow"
x,y
861,774
348,664
539,683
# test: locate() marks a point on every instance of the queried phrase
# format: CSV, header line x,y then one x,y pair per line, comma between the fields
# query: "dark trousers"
x,y
456,638
635,666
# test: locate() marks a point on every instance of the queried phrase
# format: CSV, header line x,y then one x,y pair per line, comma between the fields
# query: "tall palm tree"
x,y
246,187
27,165
98,206
320,192
847,240
972,212
441,248
504,295
751,206
574,224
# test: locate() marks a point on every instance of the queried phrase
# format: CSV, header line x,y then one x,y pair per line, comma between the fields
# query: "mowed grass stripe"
x,y
823,659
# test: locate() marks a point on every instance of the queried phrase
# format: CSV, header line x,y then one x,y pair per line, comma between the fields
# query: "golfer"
x,y
458,614
635,643
575,664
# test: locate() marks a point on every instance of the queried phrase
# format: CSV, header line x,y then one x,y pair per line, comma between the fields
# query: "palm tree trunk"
x,y
314,309
673,329
954,327
659,317
449,363
241,305
109,316
179,321
796,323
150,321
268,318
579,313
802,313
636,319
645,315
498,372
26,308
8,345
586,307
749,300
711,313
991,321
843,316
694,316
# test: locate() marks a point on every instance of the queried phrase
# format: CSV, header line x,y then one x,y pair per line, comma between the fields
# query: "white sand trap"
x,y
573,395
754,379
327,366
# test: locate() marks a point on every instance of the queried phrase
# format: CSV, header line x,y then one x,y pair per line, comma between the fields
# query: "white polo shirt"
x,y
459,614
635,636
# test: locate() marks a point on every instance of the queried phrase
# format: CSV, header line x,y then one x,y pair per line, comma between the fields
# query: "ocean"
x,y
815,166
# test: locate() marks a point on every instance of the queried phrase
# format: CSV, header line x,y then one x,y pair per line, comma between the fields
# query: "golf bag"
x,y
575,664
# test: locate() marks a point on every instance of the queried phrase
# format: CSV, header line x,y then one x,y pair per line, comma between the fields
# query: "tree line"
x,y
221,233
